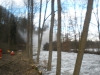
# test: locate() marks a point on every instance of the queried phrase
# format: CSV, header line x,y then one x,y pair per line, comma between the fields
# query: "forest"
x,y
72,26
9,27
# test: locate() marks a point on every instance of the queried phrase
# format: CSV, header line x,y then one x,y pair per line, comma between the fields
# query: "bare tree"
x,y
97,19
39,33
30,29
58,68
83,38
51,36
27,44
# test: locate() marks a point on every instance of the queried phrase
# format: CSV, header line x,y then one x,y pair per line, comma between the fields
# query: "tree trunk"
x,y
29,49
38,53
58,68
51,36
83,38
31,31
40,42
97,19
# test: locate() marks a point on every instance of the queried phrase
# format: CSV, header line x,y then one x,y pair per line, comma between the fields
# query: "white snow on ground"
x,y
90,63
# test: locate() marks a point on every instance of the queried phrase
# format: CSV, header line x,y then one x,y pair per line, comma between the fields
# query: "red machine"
x,y
0,53
12,53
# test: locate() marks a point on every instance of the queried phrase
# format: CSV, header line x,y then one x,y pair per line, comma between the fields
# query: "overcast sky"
x,y
19,3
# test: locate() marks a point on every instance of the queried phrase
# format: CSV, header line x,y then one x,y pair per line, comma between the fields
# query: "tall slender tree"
x,y
39,40
44,20
51,36
41,33
97,19
58,68
83,38
27,44
30,29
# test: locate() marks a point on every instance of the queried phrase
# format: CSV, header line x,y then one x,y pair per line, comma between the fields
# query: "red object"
x,y
0,53
12,53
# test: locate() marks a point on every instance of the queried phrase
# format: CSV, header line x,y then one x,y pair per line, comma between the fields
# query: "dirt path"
x,y
16,65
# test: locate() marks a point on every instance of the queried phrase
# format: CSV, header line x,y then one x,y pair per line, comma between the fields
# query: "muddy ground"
x,y
16,65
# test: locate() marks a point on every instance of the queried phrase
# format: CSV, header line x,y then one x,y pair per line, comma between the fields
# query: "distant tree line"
x,y
72,46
